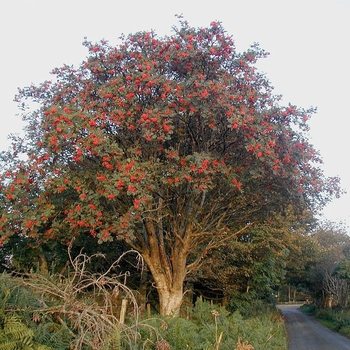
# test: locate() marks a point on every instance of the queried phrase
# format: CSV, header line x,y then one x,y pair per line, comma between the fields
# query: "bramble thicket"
x,y
175,145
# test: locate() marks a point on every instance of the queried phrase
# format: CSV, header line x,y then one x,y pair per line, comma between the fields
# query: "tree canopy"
x,y
173,144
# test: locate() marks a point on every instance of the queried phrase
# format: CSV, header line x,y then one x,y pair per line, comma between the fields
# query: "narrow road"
x,y
307,334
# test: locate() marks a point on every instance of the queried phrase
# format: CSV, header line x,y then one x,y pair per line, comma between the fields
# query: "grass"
x,y
335,319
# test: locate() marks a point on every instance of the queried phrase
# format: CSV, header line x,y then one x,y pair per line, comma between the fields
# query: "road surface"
x,y
307,334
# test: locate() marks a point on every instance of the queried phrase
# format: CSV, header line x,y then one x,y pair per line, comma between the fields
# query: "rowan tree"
x,y
173,144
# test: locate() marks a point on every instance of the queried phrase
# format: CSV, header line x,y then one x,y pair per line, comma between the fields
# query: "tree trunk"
x,y
170,290
170,302
168,270
43,266
288,293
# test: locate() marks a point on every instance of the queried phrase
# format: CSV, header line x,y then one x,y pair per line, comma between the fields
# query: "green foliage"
x,y
327,276
113,341
175,335
208,322
208,325
180,333
76,310
309,309
252,265
336,318
248,305
14,295
14,334
318,265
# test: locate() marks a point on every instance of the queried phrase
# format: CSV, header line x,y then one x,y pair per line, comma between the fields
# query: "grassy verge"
x,y
335,319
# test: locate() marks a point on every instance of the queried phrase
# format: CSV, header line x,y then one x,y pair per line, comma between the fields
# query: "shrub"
x,y
309,309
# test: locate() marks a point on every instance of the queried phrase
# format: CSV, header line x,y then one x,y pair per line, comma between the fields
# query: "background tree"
x,y
302,255
324,276
332,240
174,145
248,266
255,264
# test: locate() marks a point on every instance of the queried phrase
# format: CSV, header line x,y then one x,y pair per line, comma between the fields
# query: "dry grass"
x,y
243,345
85,303
162,345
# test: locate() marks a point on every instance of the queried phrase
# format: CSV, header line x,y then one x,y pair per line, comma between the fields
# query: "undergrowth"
x,y
336,319
73,312
80,311
212,327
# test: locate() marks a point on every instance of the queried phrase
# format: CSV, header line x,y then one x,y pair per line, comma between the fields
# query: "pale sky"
x,y
308,41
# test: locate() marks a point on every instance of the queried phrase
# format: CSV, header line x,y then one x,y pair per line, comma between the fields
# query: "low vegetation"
x,y
83,311
337,319
213,327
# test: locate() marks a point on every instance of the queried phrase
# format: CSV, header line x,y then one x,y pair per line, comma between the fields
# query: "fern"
x,y
17,330
176,336
53,334
77,311
16,335
8,344
113,342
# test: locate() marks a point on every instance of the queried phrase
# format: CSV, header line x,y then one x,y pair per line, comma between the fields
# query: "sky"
x,y
308,42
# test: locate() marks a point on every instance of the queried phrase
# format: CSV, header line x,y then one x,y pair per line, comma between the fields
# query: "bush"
x,y
309,309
